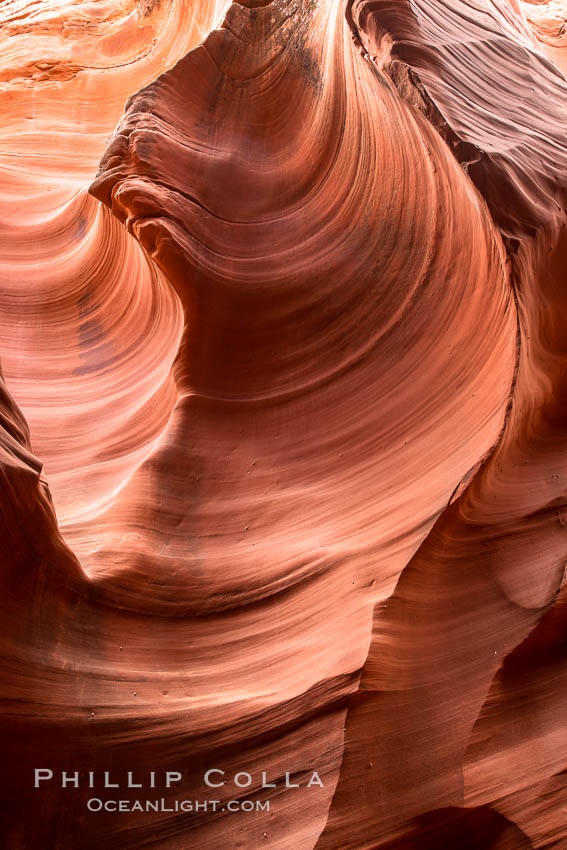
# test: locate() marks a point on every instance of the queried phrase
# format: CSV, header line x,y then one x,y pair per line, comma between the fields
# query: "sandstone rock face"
x,y
548,19
283,450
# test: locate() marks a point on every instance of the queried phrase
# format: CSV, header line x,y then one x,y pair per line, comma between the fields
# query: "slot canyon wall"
x,y
283,454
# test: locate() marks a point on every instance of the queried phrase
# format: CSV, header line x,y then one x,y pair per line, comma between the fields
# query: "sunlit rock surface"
x,y
284,452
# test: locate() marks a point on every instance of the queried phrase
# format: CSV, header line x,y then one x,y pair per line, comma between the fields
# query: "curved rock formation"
x,y
64,77
295,367
549,21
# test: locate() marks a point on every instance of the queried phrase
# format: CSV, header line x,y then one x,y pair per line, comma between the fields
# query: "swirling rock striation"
x,y
321,523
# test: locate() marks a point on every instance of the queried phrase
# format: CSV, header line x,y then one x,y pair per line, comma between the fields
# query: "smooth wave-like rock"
x,y
548,20
295,367
78,292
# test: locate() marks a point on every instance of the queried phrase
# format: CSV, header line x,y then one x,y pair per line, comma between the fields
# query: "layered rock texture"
x,y
283,447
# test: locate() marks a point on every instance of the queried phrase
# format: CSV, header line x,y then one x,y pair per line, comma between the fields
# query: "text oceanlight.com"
x,y
95,804
232,786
